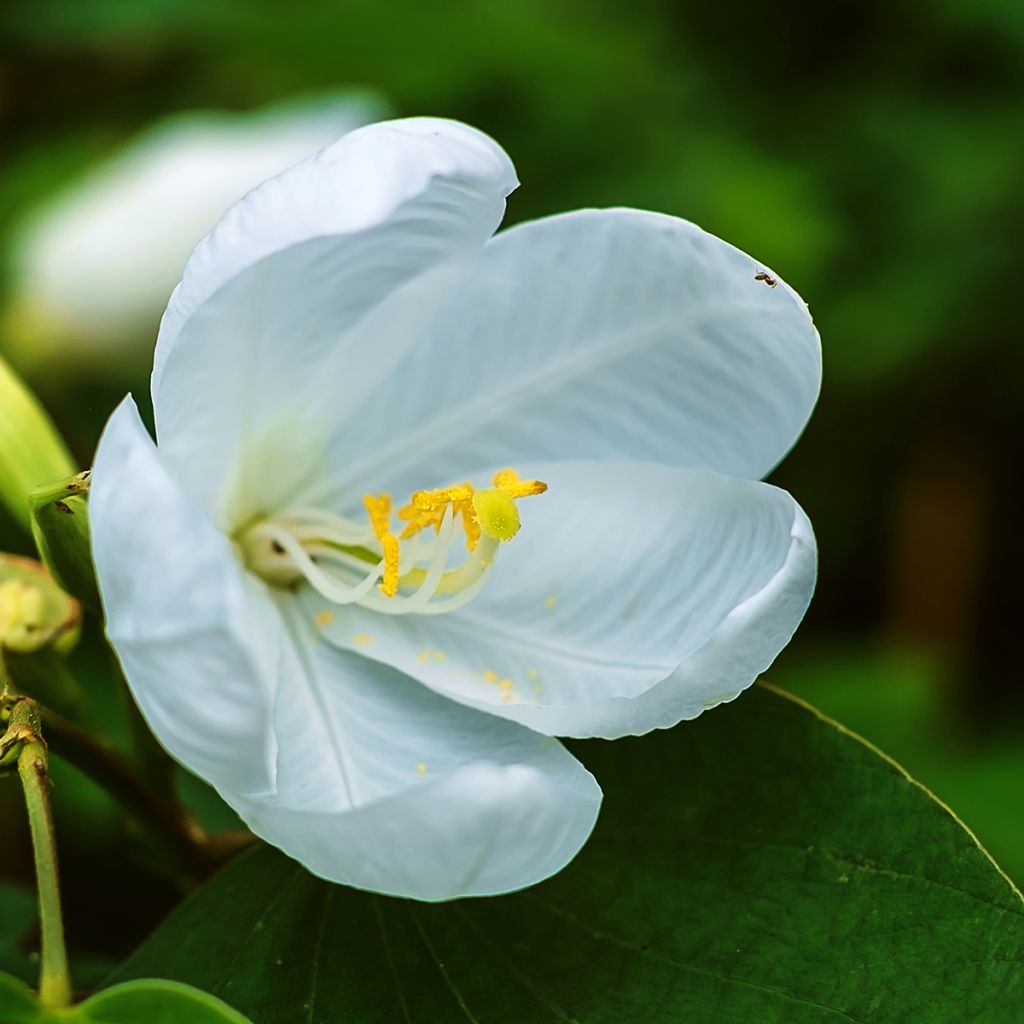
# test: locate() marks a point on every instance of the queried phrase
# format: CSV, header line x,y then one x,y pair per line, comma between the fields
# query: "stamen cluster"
x,y
370,565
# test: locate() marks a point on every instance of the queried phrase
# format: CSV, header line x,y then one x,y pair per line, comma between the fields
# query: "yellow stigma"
x,y
496,513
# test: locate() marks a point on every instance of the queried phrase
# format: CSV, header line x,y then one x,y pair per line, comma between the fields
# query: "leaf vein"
x,y
440,967
386,940
682,965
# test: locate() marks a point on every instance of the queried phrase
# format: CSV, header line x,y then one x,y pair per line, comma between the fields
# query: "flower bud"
x,y
31,450
34,612
60,525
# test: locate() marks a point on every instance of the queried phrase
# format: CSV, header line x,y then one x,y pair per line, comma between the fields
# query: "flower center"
x,y
392,571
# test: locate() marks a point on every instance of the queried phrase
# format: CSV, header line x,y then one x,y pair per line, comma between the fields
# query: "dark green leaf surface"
x,y
758,865
17,916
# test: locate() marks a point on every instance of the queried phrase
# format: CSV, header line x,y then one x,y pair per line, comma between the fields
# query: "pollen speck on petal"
x,y
363,638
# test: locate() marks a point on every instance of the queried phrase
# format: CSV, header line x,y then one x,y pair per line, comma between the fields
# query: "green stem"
x,y
54,978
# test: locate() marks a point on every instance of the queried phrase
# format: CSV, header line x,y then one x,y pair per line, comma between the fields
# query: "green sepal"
x,y
60,525
31,449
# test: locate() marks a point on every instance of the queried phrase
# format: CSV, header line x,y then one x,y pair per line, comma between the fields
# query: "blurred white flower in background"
x,y
92,269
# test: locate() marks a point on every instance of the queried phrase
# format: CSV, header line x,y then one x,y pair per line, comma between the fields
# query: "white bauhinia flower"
x,y
93,268
375,688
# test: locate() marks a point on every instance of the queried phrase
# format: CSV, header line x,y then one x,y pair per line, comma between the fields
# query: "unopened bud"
x,y
60,525
34,612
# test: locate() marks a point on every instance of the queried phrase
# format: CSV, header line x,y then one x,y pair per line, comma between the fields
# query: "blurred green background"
x,y
871,153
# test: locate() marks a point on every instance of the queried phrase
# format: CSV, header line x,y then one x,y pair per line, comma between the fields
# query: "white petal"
x,y
386,786
308,292
633,597
597,334
362,774
198,638
99,262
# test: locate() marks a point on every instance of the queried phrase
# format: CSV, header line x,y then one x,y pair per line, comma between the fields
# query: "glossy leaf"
x,y
760,864
135,1002
18,1004
153,1002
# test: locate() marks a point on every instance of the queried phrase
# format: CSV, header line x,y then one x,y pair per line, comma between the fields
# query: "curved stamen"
x,y
306,522
386,570
332,590
421,597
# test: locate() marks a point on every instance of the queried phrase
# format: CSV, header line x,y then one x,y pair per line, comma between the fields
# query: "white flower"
x,y
351,328
94,266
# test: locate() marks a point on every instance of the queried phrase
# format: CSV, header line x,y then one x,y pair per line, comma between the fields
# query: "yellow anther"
x,y
509,482
426,509
470,524
389,584
324,618
378,508
496,513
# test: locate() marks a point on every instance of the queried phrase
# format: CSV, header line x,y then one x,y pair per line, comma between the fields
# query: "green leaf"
x,y
17,915
18,1003
135,1002
759,865
153,1002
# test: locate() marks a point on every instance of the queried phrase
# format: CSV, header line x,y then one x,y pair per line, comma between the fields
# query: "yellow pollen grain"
x,y
532,673
537,688
505,684
424,656
363,638
324,618
438,655
491,676
421,768
550,601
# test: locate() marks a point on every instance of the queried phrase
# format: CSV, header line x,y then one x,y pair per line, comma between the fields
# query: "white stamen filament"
x,y
311,546
332,589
